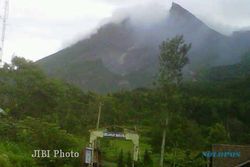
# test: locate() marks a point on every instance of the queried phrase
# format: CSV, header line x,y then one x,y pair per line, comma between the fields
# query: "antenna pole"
x,y
5,16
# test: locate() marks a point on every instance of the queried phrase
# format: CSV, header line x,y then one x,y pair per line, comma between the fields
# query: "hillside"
x,y
127,52
45,113
229,72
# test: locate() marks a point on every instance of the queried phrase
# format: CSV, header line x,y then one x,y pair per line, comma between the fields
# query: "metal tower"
x,y
4,20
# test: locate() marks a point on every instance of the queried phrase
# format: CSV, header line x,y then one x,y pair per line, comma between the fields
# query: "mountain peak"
x,y
176,5
178,10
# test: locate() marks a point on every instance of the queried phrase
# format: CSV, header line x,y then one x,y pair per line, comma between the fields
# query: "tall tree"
x,y
147,161
129,162
218,134
120,161
172,59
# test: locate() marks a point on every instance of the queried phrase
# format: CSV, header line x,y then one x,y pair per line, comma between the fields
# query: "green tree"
x,y
129,161
120,161
245,59
147,161
218,134
4,162
173,57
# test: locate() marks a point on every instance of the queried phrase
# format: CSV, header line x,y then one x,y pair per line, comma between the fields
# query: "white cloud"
x,y
235,13
37,28
223,15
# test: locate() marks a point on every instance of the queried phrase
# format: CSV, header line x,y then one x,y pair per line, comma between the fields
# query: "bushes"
x,y
185,158
15,155
4,161
44,135
35,134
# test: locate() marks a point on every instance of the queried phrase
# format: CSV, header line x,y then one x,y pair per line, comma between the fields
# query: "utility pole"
x,y
163,144
5,16
95,143
99,116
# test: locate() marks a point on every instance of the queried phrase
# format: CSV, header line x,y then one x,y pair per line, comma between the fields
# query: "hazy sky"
x,y
38,28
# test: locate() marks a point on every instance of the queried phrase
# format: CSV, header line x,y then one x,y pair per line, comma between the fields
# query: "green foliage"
x,y
15,155
111,148
120,160
147,161
181,133
185,158
47,113
4,161
245,60
129,161
218,134
51,99
44,135
31,134
173,57
228,73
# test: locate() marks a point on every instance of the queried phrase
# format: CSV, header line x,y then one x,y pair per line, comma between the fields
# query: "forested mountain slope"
x,y
46,113
124,55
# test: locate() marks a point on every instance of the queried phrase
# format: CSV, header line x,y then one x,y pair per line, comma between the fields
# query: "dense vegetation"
x,y
45,113
123,54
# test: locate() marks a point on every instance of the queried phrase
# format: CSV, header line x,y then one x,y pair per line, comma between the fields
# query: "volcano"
x,y
124,55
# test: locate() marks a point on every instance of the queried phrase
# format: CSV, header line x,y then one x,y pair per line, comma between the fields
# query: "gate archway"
x,y
92,153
